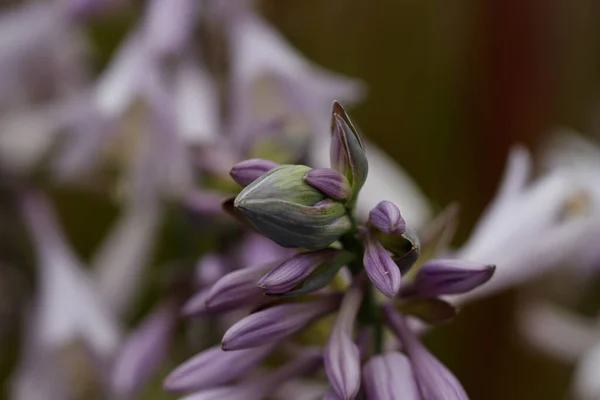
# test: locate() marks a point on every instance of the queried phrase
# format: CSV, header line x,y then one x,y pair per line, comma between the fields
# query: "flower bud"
x,y
329,182
246,172
347,152
386,218
291,272
283,207
380,268
388,377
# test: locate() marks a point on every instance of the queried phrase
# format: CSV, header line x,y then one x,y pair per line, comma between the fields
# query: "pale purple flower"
x,y
143,351
257,52
389,377
330,182
277,322
210,268
168,25
448,276
386,218
380,267
247,171
214,367
434,380
515,220
291,272
69,306
341,355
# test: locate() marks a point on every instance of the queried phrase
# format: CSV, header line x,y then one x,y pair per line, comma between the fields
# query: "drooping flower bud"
x,y
390,377
246,172
330,182
341,355
286,209
380,267
347,152
434,380
291,272
275,323
386,218
234,290
448,276
214,367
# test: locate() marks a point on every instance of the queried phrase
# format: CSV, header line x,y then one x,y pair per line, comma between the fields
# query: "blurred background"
x,y
450,88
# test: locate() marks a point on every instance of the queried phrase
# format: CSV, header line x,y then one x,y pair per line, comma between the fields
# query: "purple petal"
x,y
341,355
435,381
275,323
214,367
386,218
246,172
380,268
290,273
168,24
449,276
390,377
330,182
210,268
234,290
143,351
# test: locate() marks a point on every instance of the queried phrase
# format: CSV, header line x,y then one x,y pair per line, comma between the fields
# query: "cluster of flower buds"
x,y
313,210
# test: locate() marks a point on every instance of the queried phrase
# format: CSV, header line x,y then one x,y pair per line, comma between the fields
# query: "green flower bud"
x,y
286,209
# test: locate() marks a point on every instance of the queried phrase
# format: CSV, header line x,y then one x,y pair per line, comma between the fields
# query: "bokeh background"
x,y
451,86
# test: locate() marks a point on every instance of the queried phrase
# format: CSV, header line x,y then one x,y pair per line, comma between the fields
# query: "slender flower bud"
x,y
275,323
330,182
448,276
283,207
257,388
246,172
380,267
214,367
234,290
143,351
434,380
347,151
290,273
386,218
341,356
390,377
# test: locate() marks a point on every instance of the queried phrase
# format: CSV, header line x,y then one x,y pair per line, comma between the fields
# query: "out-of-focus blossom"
x,y
143,351
69,306
516,219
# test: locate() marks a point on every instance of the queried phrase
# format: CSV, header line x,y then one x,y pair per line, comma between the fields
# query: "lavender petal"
x,y
246,172
390,377
386,218
330,182
380,268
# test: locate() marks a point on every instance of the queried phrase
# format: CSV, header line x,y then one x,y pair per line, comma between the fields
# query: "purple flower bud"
x,y
448,276
143,351
389,377
330,182
434,380
290,273
210,268
347,152
380,268
246,172
234,290
386,218
214,367
341,356
257,388
275,323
